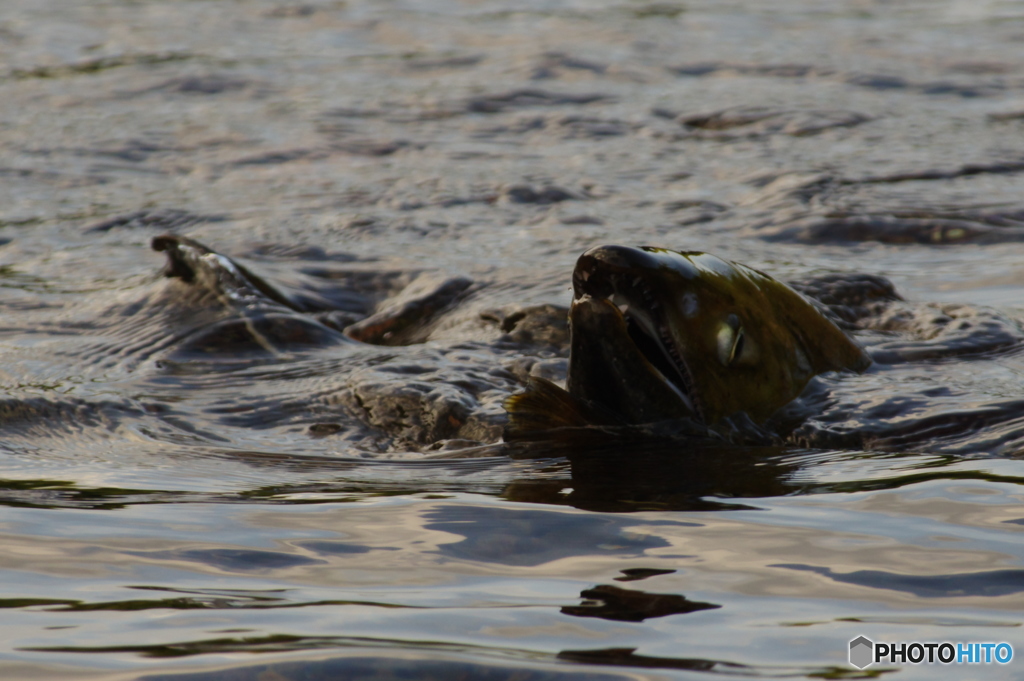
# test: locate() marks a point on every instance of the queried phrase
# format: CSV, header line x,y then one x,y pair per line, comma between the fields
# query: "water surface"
x,y
168,516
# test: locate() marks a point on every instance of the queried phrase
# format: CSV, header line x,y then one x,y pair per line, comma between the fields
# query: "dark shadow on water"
x,y
661,474
614,474
992,583
678,477
636,574
626,605
334,548
627,657
189,599
231,560
636,468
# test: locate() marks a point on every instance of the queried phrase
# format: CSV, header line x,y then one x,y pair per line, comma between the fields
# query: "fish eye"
x,y
737,346
732,342
726,341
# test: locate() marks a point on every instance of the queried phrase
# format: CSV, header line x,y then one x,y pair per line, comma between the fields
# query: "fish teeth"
x,y
646,314
619,301
673,352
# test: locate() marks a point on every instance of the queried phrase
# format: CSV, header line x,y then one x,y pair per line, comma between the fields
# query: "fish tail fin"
x,y
186,261
545,406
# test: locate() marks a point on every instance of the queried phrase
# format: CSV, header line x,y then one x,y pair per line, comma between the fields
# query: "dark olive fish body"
x,y
658,335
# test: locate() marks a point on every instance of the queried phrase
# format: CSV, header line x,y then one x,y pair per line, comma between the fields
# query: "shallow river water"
x,y
176,507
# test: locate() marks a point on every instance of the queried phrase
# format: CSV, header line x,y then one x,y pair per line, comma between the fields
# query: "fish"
x,y
659,335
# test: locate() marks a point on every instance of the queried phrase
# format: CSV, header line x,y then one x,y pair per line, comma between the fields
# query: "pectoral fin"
x,y
544,406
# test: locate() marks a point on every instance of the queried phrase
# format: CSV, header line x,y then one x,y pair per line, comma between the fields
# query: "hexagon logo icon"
x,y
862,652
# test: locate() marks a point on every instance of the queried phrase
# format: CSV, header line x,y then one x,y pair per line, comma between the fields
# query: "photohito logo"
x,y
865,652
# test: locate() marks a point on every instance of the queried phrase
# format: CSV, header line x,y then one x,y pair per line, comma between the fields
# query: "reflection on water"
x,y
360,576
530,538
509,584
370,667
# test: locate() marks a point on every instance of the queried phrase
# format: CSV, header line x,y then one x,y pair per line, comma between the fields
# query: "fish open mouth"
x,y
646,324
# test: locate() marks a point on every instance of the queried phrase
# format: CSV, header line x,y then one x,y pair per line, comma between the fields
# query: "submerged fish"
x,y
661,335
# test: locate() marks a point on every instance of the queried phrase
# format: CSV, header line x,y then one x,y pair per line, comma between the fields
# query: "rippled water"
x,y
174,510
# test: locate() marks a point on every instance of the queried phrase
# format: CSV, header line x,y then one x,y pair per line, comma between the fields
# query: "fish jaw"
x,y
608,368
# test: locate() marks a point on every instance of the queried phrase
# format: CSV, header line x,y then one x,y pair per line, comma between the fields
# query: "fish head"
x,y
660,334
